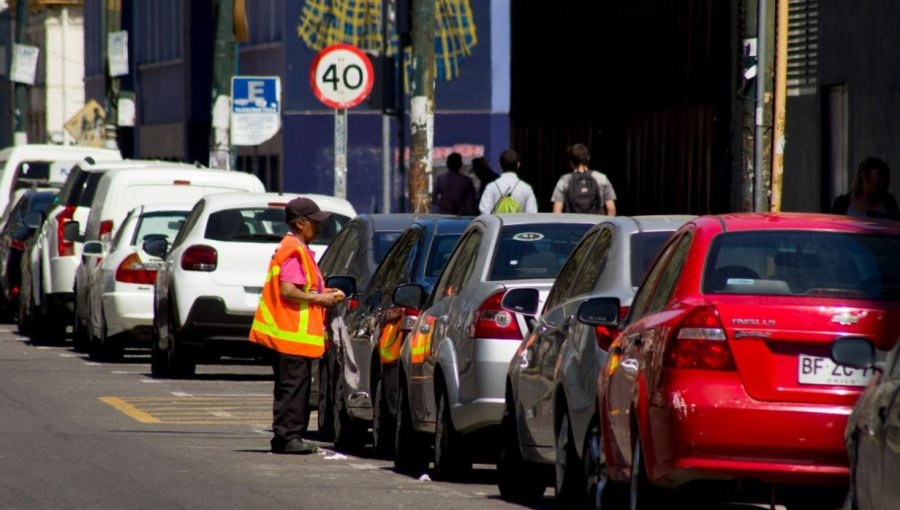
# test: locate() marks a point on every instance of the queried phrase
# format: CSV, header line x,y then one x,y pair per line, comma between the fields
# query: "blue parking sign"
x,y
255,94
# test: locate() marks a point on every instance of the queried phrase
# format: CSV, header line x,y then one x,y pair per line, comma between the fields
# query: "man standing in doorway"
x,y
508,188
583,190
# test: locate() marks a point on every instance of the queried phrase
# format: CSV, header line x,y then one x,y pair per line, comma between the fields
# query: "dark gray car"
x,y
551,394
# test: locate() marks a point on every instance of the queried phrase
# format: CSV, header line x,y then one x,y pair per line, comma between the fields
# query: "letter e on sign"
x,y
341,76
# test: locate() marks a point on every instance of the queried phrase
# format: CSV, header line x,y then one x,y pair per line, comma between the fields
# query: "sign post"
x,y
341,77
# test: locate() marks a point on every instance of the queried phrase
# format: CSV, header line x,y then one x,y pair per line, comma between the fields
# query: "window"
x,y
382,242
535,251
252,224
645,293
665,286
594,264
566,278
73,186
333,252
89,189
804,263
461,265
393,269
166,223
644,248
441,249
343,261
189,223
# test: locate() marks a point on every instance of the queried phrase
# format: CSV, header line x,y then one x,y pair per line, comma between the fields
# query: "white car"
x,y
55,259
207,290
122,284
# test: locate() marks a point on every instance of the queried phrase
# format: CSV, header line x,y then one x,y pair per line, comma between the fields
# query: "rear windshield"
x,y
166,223
382,242
644,248
253,224
88,189
793,263
441,248
534,251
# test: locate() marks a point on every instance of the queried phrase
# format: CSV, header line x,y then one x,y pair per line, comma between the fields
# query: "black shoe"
x,y
298,446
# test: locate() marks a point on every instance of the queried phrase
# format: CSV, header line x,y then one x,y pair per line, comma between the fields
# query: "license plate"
x,y
816,370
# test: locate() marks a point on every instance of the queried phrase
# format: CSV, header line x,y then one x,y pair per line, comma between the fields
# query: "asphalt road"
x,y
76,434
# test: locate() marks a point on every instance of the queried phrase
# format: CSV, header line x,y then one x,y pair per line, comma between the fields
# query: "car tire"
x,y
171,362
23,318
383,422
642,494
450,459
519,481
325,419
410,446
348,433
81,335
602,493
105,348
159,366
570,484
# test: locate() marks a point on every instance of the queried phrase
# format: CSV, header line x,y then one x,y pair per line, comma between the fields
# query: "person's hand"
x,y
327,300
338,295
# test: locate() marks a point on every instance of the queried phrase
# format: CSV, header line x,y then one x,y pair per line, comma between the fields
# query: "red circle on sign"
x,y
341,76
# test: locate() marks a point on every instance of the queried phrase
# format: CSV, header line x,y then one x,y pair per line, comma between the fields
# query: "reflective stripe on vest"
x,y
286,326
389,344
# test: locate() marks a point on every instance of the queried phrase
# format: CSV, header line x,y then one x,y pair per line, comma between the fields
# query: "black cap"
x,y
304,208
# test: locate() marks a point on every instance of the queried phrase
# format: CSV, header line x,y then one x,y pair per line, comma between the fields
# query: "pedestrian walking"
x,y
869,195
583,190
290,320
454,193
508,193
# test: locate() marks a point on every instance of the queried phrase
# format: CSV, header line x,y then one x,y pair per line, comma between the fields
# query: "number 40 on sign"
x,y
341,76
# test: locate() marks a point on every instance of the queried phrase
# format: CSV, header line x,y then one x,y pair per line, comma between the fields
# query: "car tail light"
x,y
200,258
106,227
63,247
623,312
699,342
352,304
492,321
14,291
17,244
604,336
133,270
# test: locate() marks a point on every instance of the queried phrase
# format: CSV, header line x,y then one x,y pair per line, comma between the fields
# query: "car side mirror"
x,y
94,249
347,284
523,300
33,219
156,245
853,352
71,231
602,311
409,295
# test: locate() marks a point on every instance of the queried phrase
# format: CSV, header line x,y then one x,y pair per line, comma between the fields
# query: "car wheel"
x,y
348,433
81,335
108,348
410,446
601,491
642,494
519,481
23,318
159,358
450,460
181,362
383,425
570,486
326,401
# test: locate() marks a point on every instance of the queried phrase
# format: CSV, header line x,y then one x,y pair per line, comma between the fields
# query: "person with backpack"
x,y
508,194
583,190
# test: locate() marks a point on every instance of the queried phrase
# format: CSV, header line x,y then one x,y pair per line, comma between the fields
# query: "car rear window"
x,y
798,263
441,248
534,251
645,247
382,242
247,224
89,189
166,223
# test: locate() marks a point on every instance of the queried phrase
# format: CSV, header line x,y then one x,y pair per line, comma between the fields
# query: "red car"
x,y
722,371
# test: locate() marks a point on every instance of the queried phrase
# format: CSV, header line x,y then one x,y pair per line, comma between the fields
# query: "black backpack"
x,y
583,194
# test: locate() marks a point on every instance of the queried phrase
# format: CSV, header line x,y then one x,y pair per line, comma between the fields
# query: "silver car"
x,y
551,387
454,365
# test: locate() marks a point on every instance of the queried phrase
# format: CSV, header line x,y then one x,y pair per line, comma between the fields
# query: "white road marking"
x,y
363,466
150,381
68,355
181,394
92,364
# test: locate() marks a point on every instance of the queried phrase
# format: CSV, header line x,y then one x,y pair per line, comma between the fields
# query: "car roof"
x,y
649,223
536,218
51,151
242,199
183,206
801,221
396,221
125,164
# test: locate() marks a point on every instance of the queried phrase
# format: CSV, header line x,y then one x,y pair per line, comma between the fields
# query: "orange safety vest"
x,y
287,326
420,345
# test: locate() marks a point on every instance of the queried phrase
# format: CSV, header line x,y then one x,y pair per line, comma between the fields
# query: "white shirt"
x,y
521,193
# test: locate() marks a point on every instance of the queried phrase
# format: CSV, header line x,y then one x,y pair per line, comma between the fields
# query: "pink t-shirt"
x,y
292,271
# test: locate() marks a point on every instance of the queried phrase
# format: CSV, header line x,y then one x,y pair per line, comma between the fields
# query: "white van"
x,y
119,191
20,165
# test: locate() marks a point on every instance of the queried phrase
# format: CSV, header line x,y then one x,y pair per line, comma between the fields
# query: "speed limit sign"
x,y
341,76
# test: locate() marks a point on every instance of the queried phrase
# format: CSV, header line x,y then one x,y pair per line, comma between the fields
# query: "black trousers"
x,y
290,410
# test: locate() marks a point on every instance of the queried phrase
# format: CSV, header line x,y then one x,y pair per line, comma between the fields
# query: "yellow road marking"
x,y
130,410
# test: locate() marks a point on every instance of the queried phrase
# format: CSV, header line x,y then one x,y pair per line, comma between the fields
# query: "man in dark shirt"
x,y
454,193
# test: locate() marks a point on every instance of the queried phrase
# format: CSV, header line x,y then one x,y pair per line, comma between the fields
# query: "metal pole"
x,y
340,153
223,69
780,100
21,112
421,116
112,24
759,195
385,163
